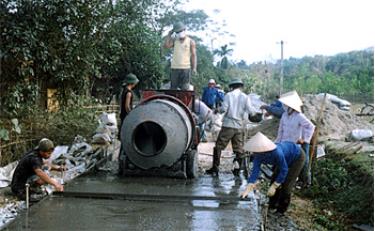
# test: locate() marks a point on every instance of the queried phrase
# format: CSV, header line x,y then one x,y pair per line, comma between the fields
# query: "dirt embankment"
x,y
335,124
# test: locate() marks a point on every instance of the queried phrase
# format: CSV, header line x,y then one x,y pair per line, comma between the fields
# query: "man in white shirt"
x,y
236,106
204,115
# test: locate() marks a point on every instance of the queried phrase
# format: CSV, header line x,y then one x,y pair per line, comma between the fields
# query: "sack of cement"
x,y
80,147
340,103
101,138
345,108
109,121
6,174
256,102
320,150
215,124
361,134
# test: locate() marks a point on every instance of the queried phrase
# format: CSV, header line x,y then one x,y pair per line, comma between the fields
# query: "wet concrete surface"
x,y
205,185
194,208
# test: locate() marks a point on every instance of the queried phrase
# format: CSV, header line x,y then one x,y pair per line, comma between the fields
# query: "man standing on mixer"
x,y
184,60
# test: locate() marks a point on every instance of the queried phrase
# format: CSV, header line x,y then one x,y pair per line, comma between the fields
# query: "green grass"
x,y
343,185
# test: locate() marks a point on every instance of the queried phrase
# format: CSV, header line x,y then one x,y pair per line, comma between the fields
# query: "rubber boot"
x,y
237,162
284,201
215,163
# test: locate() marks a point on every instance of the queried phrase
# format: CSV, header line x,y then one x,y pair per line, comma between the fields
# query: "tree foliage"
x,y
87,47
346,74
343,74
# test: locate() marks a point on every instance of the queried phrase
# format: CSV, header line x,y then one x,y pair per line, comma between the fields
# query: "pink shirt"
x,y
293,127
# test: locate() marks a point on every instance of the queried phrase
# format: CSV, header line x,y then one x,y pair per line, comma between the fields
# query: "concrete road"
x,y
206,203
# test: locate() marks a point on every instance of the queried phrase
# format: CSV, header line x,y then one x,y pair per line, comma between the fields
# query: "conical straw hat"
x,y
291,99
259,143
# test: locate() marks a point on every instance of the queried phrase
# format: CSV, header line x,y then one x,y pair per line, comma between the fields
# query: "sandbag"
x,y
361,134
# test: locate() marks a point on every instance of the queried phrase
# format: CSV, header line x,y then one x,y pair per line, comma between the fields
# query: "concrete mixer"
x,y
160,136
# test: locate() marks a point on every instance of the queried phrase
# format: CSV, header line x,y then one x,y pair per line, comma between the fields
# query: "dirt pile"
x,y
335,124
268,127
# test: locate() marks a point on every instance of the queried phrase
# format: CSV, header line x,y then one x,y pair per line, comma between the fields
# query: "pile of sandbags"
x,y
107,129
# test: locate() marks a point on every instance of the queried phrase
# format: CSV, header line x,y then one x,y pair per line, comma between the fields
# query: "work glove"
x,y
250,187
272,190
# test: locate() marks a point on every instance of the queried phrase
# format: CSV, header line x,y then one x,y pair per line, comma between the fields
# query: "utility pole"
x,y
265,79
281,67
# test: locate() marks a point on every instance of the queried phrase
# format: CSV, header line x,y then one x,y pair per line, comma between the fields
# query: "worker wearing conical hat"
x,y
296,128
287,159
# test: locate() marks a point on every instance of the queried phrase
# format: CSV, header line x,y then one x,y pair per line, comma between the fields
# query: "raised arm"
x,y
168,42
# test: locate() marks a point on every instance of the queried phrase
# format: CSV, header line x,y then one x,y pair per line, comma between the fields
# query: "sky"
x,y
307,27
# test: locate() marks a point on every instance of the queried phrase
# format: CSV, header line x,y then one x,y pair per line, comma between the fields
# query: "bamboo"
x,y
17,142
315,138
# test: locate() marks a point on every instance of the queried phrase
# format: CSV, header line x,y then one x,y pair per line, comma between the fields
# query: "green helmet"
x,y
235,81
130,78
179,26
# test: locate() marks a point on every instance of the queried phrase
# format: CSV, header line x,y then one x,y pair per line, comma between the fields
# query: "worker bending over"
x,y
30,171
287,159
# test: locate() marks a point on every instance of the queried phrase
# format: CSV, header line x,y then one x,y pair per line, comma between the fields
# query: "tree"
x,y
223,52
48,44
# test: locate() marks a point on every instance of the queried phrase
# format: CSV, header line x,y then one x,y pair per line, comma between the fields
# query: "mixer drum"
x,y
156,134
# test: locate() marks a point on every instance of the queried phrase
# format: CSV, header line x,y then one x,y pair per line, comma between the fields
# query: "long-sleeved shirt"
x,y
209,96
220,96
275,108
236,106
293,127
202,111
283,157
